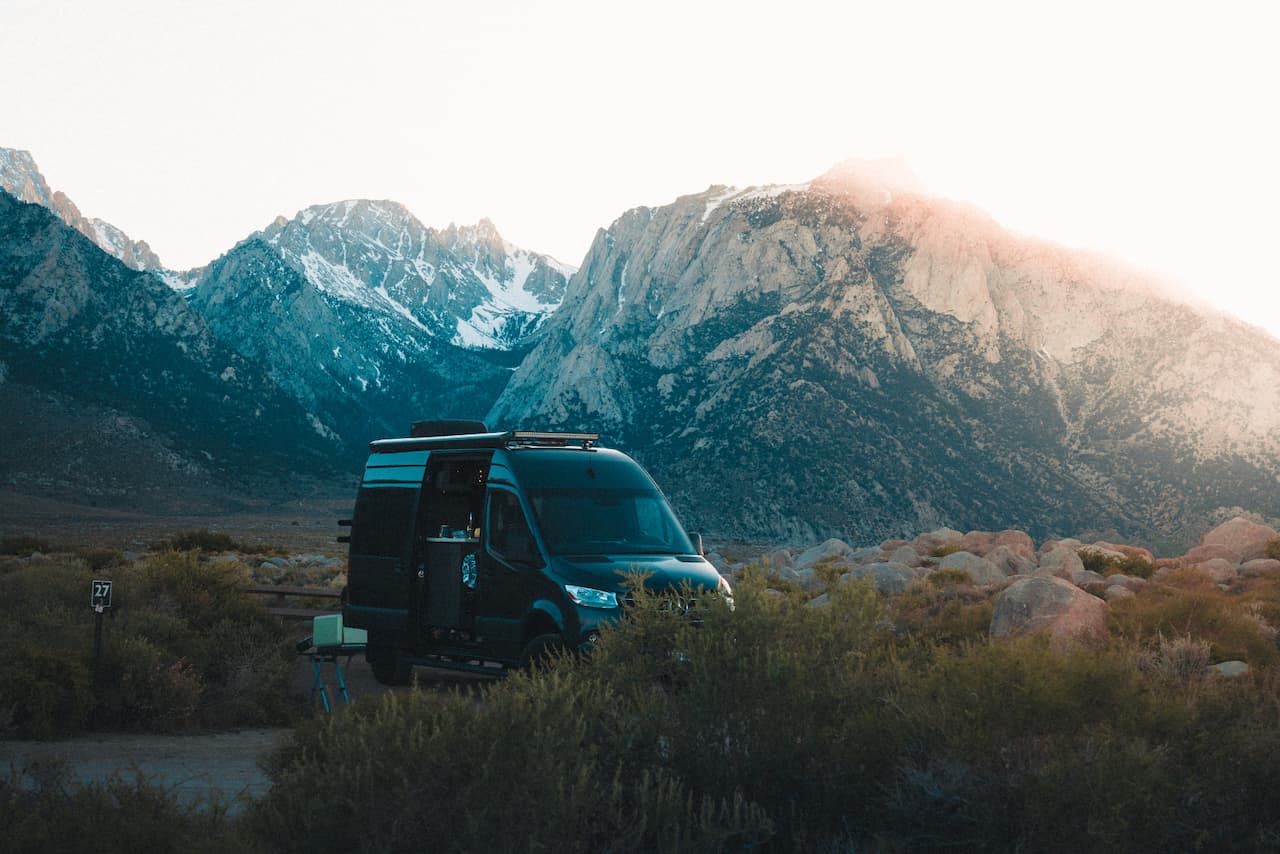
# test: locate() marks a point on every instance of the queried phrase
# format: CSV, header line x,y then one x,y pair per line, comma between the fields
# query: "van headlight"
x,y
725,590
591,597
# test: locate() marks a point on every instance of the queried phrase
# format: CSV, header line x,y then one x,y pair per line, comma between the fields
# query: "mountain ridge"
x,y
826,315
843,357
21,178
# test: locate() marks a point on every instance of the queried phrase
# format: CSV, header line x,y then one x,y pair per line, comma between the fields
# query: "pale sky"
x,y
1146,130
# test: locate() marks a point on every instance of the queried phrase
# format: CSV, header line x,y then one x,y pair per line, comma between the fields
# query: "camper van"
x,y
482,551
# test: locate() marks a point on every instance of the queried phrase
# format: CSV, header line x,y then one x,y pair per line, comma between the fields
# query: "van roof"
x,y
508,439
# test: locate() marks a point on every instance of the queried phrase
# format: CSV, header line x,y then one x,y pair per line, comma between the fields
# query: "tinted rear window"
x,y
383,522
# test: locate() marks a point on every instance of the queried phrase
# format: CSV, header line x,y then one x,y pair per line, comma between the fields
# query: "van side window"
x,y
507,529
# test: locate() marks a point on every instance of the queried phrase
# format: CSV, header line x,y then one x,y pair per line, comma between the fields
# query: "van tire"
x,y
540,651
388,666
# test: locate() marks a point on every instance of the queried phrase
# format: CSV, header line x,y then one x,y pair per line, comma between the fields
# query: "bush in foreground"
x,y
789,727
182,646
42,810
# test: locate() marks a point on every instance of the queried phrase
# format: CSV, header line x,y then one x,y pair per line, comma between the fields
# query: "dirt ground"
x,y
221,766
305,526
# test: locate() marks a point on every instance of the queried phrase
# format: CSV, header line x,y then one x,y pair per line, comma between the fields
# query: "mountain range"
x,y
844,357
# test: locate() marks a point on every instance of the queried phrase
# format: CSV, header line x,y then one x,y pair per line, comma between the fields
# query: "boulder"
x,y
1261,566
779,558
890,546
1116,592
717,560
1062,562
978,542
821,601
1069,542
1087,576
1048,604
1200,554
1129,582
890,579
831,549
1247,539
809,581
981,542
981,570
905,555
925,544
1010,561
866,554
1229,668
1219,570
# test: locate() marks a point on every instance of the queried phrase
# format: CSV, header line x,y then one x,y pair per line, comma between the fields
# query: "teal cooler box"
x,y
327,632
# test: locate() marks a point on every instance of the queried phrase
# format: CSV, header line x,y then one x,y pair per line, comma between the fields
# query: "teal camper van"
x,y
477,550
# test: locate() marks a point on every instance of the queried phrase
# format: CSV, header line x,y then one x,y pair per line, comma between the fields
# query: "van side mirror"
x,y
697,544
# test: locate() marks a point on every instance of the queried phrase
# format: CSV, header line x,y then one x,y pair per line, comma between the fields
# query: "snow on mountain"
x,y
466,284
372,320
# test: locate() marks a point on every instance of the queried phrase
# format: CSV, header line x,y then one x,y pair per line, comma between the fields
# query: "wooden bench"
x,y
277,595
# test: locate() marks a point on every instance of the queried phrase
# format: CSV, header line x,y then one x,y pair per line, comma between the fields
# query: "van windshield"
x,y
586,521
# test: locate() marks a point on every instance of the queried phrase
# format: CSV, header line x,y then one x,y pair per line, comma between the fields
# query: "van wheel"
x,y
540,651
388,667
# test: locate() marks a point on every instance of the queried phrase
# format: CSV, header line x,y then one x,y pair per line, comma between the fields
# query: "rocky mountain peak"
x,y
883,350
21,178
876,179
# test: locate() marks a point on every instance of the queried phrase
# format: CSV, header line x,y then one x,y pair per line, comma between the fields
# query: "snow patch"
x,y
771,192
715,201
320,428
178,281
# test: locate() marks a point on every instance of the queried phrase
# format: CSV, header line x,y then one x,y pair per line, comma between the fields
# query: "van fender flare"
x,y
544,615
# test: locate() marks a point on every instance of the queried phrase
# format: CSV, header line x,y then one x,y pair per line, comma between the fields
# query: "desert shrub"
x,y
201,539
791,727
1132,565
41,809
182,645
245,666
945,609
1095,561
1194,607
950,577
45,690
204,540
1273,548
946,549
23,545
538,764
1175,661
98,558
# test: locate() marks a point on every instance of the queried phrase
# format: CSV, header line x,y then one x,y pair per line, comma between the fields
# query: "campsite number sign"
x,y
100,597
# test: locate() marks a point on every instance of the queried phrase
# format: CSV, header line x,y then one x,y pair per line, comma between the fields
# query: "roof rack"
x,y
509,439
526,439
